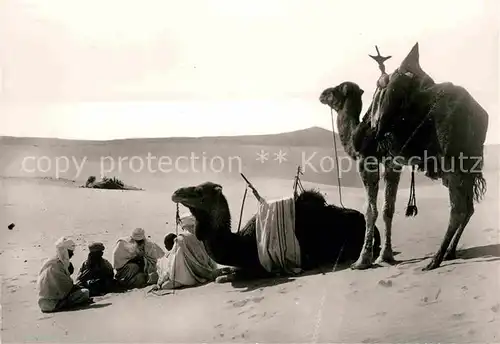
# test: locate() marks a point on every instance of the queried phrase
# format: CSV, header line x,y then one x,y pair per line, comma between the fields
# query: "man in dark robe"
x,y
96,273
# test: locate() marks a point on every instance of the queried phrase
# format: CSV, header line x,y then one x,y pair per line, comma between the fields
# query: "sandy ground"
x,y
459,302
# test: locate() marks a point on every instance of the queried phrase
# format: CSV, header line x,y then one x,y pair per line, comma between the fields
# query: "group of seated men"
x,y
137,263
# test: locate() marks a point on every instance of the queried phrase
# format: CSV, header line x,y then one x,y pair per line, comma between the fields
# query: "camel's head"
x,y
207,204
336,97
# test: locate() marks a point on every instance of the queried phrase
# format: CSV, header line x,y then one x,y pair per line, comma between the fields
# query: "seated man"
x,y
56,290
169,242
134,259
186,262
96,273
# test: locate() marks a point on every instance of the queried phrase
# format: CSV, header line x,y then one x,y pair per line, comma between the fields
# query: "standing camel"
x,y
439,128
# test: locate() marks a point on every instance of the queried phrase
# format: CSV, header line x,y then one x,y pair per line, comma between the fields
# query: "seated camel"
x,y
326,233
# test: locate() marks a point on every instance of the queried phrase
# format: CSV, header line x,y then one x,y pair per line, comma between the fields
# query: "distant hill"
x,y
310,137
312,144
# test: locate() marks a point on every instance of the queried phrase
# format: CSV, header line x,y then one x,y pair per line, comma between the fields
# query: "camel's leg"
x,y
451,253
370,177
391,177
460,191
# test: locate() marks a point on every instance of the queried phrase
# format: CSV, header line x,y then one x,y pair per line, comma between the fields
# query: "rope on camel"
x,y
177,223
153,290
336,159
242,206
297,183
411,208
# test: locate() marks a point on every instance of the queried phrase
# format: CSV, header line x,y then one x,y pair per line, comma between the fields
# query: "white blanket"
x,y
187,264
277,245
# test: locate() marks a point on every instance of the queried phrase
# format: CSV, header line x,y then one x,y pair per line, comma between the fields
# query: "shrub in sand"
x,y
90,181
108,183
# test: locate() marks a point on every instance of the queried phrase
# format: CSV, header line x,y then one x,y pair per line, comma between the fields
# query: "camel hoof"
x,y
431,266
385,259
225,278
226,270
361,264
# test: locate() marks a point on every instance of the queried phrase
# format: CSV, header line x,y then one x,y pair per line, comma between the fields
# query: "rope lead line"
x,y
242,205
336,159
177,223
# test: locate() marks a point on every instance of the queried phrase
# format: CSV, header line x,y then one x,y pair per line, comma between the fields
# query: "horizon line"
x,y
164,137
181,137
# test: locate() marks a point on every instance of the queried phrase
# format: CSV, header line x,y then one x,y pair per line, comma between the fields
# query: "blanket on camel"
x,y
413,116
277,245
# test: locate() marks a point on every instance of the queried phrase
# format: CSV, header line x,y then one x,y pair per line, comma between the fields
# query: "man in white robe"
x,y
56,290
186,262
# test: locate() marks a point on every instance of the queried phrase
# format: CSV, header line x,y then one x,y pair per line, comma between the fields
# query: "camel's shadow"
x,y
487,251
248,285
254,284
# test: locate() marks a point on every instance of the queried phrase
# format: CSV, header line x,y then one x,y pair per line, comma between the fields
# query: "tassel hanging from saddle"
x,y
411,208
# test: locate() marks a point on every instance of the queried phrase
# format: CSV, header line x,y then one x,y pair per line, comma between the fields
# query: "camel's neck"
x,y
216,223
222,245
347,122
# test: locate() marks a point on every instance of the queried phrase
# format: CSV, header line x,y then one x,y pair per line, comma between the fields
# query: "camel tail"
x,y
479,186
478,181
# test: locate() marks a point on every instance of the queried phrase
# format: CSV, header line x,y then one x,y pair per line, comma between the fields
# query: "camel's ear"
x,y
345,89
218,188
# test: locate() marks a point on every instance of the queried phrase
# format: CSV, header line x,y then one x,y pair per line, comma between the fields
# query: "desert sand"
x,y
458,302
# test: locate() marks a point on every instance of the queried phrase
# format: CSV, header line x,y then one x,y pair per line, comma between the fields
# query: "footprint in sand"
x,y
385,283
446,271
246,310
495,308
411,286
262,315
242,303
396,275
242,335
458,316
380,314
45,318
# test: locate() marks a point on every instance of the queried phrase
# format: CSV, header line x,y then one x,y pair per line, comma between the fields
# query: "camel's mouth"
x,y
327,97
185,196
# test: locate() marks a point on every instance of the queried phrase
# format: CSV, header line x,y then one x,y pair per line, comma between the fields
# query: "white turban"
x,y
64,244
138,234
188,222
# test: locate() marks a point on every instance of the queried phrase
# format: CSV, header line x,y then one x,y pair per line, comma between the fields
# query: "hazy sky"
x,y
112,69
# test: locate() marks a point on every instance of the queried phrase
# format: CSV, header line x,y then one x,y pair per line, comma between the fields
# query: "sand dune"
x,y
458,302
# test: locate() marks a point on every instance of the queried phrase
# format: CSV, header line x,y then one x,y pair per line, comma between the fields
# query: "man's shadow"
x,y
90,306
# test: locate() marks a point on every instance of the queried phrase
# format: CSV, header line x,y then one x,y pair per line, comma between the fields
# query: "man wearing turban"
x,y
134,259
187,262
96,273
56,290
